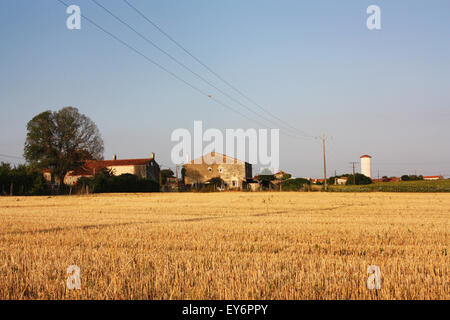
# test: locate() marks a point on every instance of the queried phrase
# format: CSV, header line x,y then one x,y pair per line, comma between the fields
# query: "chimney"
x,y
152,156
115,157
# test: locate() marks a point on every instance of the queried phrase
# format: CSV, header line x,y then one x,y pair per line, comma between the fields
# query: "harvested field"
x,y
231,245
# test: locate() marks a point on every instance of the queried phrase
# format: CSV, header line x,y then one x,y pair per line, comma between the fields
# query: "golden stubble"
x,y
225,245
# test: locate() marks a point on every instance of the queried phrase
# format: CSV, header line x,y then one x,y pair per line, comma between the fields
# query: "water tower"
x,y
366,166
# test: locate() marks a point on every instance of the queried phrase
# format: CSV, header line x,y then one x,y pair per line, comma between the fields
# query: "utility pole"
x,y
325,184
354,174
176,170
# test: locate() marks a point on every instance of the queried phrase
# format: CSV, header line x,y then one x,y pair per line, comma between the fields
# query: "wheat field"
x,y
225,245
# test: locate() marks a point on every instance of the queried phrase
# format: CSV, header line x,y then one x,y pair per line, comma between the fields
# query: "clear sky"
x,y
312,63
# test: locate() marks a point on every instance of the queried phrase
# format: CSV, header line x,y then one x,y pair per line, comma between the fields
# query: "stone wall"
x,y
235,175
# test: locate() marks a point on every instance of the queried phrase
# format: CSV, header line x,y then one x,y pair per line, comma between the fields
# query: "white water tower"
x,y
366,165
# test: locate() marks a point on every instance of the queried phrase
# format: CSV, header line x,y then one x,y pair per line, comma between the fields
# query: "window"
x,y
235,183
210,169
220,170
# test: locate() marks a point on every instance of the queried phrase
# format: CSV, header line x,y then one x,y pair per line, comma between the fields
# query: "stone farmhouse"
x,y
235,173
146,168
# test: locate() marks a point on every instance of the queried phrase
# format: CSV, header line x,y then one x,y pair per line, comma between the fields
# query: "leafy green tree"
x,y
294,184
266,175
358,179
166,173
61,141
217,182
21,180
286,176
5,173
411,177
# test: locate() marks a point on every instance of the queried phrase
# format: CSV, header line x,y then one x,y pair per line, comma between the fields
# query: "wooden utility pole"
x,y
325,184
354,173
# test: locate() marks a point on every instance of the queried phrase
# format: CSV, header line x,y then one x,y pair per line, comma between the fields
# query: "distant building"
x,y
341,180
315,181
172,185
235,173
143,168
366,166
433,177
253,185
281,174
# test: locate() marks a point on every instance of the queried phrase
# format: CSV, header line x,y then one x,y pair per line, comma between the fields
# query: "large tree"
x,y
166,173
62,140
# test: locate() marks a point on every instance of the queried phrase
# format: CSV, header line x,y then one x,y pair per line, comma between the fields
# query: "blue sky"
x,y
312,63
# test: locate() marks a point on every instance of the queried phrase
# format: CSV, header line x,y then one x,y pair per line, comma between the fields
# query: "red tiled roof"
x,y
432,177
281,172
365,156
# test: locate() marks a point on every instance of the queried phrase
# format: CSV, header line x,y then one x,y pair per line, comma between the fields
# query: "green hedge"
x,y
294,184
125,183
401,186
25,181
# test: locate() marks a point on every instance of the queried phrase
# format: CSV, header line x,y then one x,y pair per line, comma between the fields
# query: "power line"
x,y
353,163
213,72
170,72
164,69
325,183
11,157
182,64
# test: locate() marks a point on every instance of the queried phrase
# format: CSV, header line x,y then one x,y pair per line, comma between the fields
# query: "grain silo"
x,y
366,166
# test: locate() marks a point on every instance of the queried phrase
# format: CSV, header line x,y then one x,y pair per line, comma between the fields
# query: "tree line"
x,y
21,180
60,141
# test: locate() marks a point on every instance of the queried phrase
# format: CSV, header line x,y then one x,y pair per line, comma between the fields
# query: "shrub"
x,y
401,186
411,177
104,182
294,184
216,182
358,179
23,179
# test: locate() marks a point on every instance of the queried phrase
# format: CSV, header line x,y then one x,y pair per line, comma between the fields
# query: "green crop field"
x,y
401,186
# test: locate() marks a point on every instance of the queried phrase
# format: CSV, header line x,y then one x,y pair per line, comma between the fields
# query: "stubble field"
x,y
226,246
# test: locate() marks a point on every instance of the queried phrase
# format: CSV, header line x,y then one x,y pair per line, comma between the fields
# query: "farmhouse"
x,y
282,175
433,177
341,180
235,173
146,168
